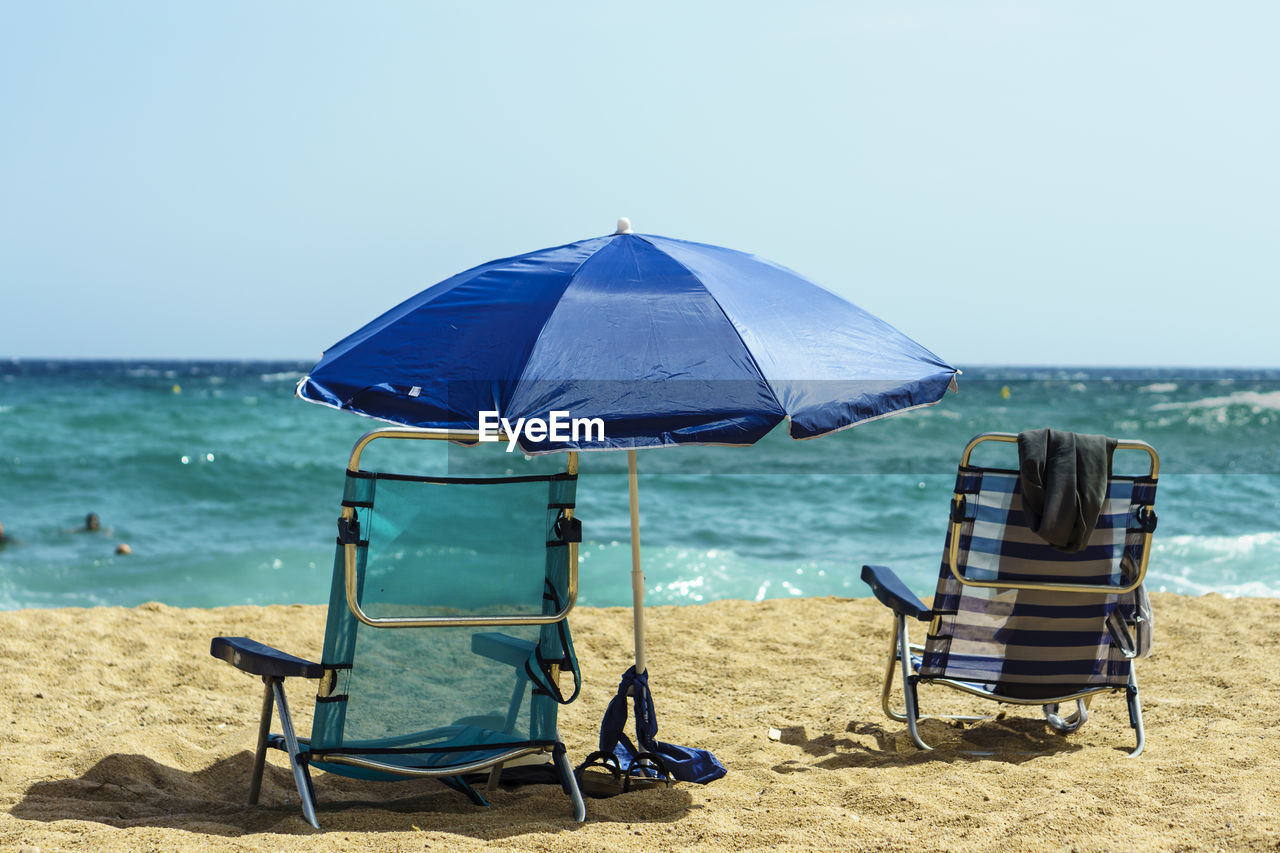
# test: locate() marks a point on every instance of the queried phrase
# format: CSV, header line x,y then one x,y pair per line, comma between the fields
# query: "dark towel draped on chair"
x,y
1064,482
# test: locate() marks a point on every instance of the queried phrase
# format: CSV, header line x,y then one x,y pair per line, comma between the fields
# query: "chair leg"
x,y
301,777
1068,723
1135,712
909,686
462,786
264,732
570,783
887,689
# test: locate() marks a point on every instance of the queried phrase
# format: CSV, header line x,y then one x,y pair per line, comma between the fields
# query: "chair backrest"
x,y
1018,617
473,578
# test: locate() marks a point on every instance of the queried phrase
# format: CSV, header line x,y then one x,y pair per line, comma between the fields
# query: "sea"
x,y
226,487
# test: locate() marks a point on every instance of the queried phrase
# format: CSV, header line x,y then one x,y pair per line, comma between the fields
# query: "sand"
x,y
121,733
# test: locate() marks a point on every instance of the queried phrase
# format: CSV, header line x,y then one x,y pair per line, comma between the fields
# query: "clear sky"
x,y
1029,183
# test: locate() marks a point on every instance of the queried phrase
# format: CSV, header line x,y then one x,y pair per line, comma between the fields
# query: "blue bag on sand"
x,y
685,763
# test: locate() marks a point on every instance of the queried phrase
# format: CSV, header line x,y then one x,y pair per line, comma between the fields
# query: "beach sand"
x,y
122,733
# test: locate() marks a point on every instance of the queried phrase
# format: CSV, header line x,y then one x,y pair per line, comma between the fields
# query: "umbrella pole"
x,y
637,574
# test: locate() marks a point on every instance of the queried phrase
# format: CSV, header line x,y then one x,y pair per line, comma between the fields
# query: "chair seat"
x,y
981,687
1015,693
453,749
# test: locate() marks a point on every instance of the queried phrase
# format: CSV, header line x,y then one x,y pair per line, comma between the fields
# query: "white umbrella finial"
x,y
624,226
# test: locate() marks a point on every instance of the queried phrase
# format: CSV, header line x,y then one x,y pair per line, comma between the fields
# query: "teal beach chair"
x,y
447,633
1018,621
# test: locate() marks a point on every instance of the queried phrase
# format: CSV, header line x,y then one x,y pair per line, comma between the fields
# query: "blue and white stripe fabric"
x,y
1032,643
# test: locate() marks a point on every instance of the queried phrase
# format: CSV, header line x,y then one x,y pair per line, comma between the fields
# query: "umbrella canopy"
x,y
666,341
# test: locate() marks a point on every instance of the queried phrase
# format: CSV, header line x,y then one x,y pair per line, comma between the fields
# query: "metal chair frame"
x,y
298,748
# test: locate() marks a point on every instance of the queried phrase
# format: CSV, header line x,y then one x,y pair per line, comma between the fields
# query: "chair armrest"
x,y
893,593
260,659
502,648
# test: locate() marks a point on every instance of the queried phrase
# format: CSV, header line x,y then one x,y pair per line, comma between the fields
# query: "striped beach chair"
x,y
1018,621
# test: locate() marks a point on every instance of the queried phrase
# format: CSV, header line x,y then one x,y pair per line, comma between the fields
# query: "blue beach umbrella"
x,y
666,341
648,341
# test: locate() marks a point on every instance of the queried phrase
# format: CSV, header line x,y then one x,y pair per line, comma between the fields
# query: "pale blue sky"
x,y
1057,183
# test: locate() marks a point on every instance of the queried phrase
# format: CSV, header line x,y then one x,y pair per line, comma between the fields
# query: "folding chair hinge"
x,y
568,529
1147,519
328,682
349,531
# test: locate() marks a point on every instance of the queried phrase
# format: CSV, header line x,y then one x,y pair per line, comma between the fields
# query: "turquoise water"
x,y
227,488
